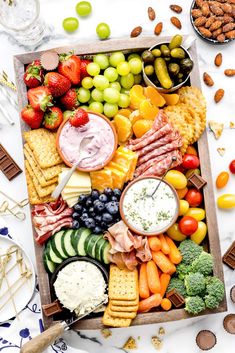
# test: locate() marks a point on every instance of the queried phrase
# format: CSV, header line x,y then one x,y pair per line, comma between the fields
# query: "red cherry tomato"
x,y
190,161
232,167
188,225
194,197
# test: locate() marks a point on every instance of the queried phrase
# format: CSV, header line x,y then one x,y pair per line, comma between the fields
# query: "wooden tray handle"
x,y
39,343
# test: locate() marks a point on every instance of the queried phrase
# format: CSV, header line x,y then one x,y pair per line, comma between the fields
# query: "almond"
x,y
217,32
205,32
231,1
228,27
207,79
158,28
209,21
176,8
196,13
176,22
216,10
136,31
218,95
215,25
230,35
227,8
200,21
205,9
218,59
151,14
199,3
226,19
229,72
221,38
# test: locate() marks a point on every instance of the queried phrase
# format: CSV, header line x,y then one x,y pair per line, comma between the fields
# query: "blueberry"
x,y
78,208
97,230
108,191
107,218
112,207
95,202
98,218
76,224
84,216
75,215
99,206
117,193
103,198
90,223
114,198
89,202
95,194
82,199
91,209
103,225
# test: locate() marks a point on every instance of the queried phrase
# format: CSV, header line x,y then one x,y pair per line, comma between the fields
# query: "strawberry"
x,y
34,74
40,98
57,83
84,64
79,117
32,117
53,118
70,99
69,67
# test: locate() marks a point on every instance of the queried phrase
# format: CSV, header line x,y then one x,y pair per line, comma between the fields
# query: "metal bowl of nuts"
x,y
214,21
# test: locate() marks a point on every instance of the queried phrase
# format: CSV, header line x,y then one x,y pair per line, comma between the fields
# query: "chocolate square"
x,y
197,181
229,256
52,308
176,298
7,164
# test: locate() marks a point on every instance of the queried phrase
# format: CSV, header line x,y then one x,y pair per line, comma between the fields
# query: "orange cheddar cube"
x,y
101,179
126,158
121,167
118,177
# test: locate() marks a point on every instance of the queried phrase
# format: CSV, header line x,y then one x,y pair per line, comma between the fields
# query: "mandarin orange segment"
x,y
171,99
147,110
154,96
135,115
141,127
136,96
123,127
126,112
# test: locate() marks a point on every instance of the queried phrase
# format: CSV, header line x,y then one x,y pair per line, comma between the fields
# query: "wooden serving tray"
x,y
130,45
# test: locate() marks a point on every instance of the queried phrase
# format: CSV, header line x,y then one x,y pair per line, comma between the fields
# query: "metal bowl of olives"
x,y
167,66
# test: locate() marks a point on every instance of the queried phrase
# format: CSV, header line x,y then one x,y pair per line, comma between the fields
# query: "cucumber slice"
x,y
90,250
76,235
67,243
98,247
56,244
105,252
49,266
51,255
81,241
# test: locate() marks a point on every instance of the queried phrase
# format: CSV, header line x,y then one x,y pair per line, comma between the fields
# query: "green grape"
x,y
96,107
135,65
137,79
85,107
100,82
127,81
83,95
133,55
93,69
102,60
97,95
125,91
115,85
70,24
103,30
67,114
116,58
110,110
123,68
83,8
111,74
124,100
87,82
111,95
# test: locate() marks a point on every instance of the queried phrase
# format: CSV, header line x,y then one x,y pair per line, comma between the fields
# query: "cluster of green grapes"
x,y
111,77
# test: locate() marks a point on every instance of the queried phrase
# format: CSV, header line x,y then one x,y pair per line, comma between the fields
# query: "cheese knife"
x,y
39,343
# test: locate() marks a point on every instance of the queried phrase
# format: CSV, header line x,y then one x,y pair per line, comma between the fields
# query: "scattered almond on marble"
x,y
158,28
208,79
221,151
218,95
229,72
136,31
176,22
176,8
151,14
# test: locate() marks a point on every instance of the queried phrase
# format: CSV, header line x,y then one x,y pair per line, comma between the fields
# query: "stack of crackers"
x,y
42,163
123,297
189,115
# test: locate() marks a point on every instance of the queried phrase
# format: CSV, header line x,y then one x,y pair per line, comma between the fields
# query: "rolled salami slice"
x,y
160,167
166,129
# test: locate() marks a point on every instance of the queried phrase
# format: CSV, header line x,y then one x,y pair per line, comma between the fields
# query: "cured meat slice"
x,y
161,167
63,223
147,165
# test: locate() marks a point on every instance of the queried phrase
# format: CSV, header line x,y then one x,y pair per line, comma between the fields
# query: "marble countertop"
x,y
123,16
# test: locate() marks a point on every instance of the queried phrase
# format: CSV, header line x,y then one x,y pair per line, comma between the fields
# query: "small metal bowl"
x,y
148,82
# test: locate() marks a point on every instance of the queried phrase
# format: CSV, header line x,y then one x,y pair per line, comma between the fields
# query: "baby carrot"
x,y
149,303
165,247
143,282
153,277
166,304
164,280
154,243
163,262
175,255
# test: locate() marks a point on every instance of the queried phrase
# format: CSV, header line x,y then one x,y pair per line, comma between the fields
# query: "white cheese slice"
x,y
78,179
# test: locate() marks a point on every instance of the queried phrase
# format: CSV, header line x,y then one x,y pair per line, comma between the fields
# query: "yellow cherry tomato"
x,y
222,180
175,234
184,207
176,179
226,201
197,213
200,233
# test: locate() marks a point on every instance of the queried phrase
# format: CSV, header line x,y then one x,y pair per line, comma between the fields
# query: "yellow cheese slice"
x,y
78,179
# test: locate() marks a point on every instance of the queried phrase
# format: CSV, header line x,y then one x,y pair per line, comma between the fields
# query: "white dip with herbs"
x,y
149,214
80,286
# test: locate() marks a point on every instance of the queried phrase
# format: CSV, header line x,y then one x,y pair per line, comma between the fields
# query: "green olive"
x,y
149,70
165,50
156,52
175,42
178,53
147,57
173,68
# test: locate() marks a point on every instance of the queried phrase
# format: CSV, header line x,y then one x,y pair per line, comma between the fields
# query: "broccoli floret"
x,y
195,284
182,270
203,264
189,251
211,301
194,305
215,287
178,284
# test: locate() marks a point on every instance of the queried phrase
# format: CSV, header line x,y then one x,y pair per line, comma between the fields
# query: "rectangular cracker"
x,y
125,302
42,191
131,308
122,315
123,284
37,171
34,199
114,322
43,144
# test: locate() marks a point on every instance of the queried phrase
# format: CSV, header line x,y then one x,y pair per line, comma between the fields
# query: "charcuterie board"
x,y
129,45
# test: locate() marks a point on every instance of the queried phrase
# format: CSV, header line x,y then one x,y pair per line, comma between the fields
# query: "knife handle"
x,y
39,343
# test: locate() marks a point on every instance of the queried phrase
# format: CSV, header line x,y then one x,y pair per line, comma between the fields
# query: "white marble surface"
x,y
123,16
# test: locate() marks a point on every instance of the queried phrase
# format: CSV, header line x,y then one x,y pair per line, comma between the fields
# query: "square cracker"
x,y
37,171
43,144
34,199
125,302
123,284
122,314
42,192
114,322
131,308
